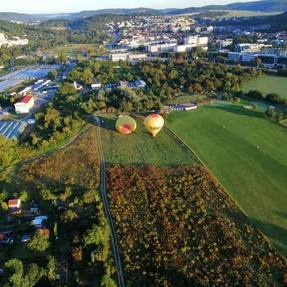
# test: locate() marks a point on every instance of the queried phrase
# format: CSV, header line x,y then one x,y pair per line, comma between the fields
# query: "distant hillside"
x,y
258,6
277,23
96,23
261,6
85,14
25,18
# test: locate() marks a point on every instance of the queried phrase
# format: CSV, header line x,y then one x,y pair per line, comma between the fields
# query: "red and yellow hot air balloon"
x,y
154,123
126,125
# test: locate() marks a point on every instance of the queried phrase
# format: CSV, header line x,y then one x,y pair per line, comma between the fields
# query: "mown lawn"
x,y
268,84
284,123
141,148
248,154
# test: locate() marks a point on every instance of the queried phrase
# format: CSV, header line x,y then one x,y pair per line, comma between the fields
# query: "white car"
x,y
25,238
31,121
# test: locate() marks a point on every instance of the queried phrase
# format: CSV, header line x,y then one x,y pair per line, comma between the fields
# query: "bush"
x,y
39,242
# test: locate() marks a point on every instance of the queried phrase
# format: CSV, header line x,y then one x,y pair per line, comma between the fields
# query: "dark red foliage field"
x,y
178,227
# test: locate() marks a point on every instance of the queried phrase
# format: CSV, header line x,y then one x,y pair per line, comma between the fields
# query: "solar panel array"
x,y
30,72
12,129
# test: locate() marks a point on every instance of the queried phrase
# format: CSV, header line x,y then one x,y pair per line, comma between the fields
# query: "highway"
x,y
116,251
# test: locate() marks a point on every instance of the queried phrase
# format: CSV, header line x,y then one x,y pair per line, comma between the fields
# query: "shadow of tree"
x,y
236,110
105,123
281,214
274,232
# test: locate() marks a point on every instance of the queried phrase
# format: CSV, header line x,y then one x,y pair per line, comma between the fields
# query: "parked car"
x,y
25,238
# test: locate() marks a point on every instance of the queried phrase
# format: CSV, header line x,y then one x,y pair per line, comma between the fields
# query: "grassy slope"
x,y
247,153
141,148
243,13
268,84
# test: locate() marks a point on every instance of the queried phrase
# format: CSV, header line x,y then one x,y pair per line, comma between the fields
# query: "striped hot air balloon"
x,y
154,123
126,125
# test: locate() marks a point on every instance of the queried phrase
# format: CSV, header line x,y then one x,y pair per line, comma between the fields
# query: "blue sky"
x,y
55,6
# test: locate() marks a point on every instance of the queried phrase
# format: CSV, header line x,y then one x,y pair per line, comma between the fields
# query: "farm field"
x,y
268,84
184,230
76,49
247,153
141,148
243,13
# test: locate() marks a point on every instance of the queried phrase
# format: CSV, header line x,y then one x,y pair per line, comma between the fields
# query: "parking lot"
x,y
28,73
42,99
12,129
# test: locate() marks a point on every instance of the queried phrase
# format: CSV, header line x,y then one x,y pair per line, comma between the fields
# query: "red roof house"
x,y
14,203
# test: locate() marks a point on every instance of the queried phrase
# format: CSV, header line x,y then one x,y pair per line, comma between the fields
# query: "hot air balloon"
x,y
154,123
126,125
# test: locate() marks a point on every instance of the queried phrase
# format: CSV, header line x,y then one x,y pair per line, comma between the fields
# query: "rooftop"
x,y
25,100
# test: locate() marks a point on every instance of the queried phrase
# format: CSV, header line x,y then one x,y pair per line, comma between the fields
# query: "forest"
x,y
178,227
170,79
65,114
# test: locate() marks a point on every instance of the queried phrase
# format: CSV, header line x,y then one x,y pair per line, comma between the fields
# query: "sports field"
x,y
76,49
141,148
268,84
248,154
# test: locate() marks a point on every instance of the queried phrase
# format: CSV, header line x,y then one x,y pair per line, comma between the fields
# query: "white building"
x,y
225,43
25,90
96,86
247,47
196,41
137,57
183,48
24,105
157,48
209,29
119,57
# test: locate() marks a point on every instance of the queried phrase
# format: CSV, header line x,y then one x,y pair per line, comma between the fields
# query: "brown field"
x,y
76,165
178,227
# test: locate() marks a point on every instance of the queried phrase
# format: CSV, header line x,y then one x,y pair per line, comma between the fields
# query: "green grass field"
x,y
72,50
141,148
248,155
268,84
244,13
284,123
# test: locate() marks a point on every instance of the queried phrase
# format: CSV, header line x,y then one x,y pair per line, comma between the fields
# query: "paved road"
x,y
120,275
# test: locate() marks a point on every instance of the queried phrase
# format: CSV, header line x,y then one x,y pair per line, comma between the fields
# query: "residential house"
x,y
24,105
